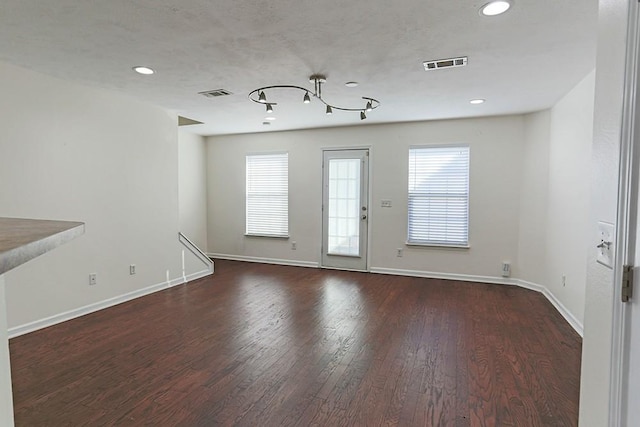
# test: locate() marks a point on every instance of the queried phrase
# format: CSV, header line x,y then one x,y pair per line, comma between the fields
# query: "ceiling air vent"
x,y
445,63
215,93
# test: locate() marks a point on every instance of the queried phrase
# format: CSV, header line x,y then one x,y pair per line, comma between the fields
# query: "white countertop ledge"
x,y
24,239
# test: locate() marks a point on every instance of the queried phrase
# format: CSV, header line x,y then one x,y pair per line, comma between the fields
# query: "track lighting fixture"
x,y
259,96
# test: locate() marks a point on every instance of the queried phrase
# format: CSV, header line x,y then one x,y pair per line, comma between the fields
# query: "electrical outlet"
x,y
294,246
506,269
132,269
399,252
93,279
385,203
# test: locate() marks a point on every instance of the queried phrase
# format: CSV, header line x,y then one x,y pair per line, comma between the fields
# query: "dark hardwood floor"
x,y
263,345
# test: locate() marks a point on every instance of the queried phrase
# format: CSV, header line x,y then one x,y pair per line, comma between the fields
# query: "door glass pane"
x,y
344,207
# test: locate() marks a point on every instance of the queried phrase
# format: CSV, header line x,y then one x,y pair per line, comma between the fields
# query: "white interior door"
x,y
630,370
345,209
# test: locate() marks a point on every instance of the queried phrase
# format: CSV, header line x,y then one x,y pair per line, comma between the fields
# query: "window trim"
x,y
438,245
443,245
268,236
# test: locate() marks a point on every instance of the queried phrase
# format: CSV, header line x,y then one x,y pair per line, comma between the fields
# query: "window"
x,y
267,205
439,195
344,207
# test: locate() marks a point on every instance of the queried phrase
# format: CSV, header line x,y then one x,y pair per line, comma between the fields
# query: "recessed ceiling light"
x,y
270,118
351,84
495,7
477,101
143,70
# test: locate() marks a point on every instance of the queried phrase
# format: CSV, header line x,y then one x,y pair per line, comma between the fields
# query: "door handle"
x,y
363,217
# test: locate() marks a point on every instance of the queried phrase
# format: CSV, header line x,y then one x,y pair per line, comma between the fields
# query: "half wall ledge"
x,y
24,239
20,241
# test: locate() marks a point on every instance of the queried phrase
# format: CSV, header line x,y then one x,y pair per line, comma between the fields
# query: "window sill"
x,y
438,245
269,236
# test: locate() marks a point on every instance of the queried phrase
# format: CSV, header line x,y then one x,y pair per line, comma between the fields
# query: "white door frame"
x,y
369,197
626,218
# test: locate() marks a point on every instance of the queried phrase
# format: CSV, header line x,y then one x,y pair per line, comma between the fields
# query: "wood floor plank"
x,y
270,345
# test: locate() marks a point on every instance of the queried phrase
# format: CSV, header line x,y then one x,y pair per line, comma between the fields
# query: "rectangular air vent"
x,y
445,63
215,93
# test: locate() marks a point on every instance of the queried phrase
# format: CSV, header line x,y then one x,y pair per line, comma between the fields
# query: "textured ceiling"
x,y
522,61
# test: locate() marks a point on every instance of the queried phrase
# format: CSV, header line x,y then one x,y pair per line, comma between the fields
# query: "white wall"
x,y
496,160
534,198
569,195
193,188
555,197
596,346
75,153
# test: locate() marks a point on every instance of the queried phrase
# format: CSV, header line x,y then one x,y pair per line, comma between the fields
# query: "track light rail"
x,y
259,96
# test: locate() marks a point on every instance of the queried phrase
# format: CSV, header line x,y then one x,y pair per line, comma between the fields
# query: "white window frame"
x,y
252,191
413,240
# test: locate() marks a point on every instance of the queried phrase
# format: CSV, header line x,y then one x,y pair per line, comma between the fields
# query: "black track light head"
x,y
369,106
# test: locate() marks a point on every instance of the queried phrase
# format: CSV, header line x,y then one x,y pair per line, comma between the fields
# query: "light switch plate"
x,y
605,244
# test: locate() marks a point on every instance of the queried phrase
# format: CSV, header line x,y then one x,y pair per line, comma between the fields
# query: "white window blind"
x,y
267,204
439,195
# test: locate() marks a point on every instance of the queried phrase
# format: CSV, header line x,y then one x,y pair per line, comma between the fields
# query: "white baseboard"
x,y
110,302
260,260
448,276
198,275
530,285
72,314
174,282
568,316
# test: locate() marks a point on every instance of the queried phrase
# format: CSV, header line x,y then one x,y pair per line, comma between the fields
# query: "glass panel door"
x,y
345,209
